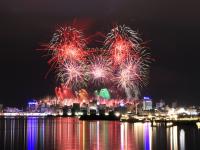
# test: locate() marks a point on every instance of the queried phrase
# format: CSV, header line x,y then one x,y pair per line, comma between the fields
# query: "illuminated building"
x,y
147,103
12,110
160,104
32,105
75,108
174,104
121,108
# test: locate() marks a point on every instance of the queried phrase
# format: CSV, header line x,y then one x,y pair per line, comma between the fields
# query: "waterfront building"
x,y
174,104
12,110
32,105
147,103
160,104
75,108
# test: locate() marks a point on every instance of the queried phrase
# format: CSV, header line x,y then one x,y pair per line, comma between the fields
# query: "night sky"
x,y
172,30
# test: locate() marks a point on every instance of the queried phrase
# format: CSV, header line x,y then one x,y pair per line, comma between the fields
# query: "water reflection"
x,y
173,138
147,136
182,139
72,134
32,136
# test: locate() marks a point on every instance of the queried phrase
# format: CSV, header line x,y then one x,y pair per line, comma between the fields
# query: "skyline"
x,y
172,37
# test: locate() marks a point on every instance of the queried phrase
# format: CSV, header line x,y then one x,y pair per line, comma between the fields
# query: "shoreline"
x,y
154,123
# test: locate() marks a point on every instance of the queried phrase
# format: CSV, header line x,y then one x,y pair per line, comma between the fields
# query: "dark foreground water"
x,y
72,134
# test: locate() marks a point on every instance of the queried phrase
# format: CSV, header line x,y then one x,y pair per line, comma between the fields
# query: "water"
x,y
72,134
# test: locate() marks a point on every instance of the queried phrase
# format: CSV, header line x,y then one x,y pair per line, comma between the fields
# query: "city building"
x,y
12,110
75,108
174,104
160,104
32,105
147,103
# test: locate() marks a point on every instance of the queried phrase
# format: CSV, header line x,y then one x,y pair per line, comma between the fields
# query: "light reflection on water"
x,y
182,139
72,134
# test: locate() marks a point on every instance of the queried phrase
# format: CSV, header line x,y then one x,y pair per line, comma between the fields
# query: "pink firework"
x,y
73,74
100,70
128,75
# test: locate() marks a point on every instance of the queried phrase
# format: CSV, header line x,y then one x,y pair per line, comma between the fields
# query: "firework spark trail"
x,y
67,44
128,74
100,70
121,42
72,74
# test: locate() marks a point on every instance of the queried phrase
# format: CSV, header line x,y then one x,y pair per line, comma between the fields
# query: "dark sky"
x,y
172,27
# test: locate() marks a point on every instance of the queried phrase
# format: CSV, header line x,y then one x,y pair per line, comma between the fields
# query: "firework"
x,y
130,59
131,76
128,75
100,70
72,74
122,63
122,43
67,44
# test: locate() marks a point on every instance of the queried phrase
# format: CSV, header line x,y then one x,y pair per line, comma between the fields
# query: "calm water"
x,y
72,134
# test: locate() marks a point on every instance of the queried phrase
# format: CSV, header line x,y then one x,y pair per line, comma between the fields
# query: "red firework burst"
x,y
67,44
120,50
